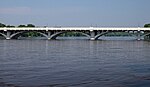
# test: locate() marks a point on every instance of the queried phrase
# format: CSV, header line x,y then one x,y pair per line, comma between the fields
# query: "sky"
x,y
103,13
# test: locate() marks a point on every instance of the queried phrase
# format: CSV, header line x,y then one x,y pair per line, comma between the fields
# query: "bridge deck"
x,y
75,28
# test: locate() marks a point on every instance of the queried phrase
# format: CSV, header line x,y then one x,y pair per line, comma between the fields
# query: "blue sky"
x,y
75,12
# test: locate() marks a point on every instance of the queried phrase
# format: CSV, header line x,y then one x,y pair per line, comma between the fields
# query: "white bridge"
x,y
92,33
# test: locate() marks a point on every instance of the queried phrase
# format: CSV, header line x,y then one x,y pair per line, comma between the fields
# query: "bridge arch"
x,y
107,32
55,35
146,34
17,34
101,34
5,36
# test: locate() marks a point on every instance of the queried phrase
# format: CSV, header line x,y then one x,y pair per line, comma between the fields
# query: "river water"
x,y
74,63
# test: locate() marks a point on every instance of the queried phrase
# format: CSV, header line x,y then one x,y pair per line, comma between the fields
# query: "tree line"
x,y
147,25
31,25
9,26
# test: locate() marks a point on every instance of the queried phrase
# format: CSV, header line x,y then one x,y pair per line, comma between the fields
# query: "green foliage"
x,y
10,26
147,25
2,25
22,26
30,25
118,34
31,34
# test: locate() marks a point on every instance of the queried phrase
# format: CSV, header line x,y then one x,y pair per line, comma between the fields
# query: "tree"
x,y
147,25
22,26
30,25
10,26
2,25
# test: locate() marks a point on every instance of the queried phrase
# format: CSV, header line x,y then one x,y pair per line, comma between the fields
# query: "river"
x,y
74,63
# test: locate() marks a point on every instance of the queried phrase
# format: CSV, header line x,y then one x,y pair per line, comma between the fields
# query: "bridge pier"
x,y
147,37
92,39
7,38
92,34
49,35
8,34
139,35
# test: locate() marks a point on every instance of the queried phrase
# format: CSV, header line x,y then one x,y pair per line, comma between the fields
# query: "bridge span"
x,y
93,33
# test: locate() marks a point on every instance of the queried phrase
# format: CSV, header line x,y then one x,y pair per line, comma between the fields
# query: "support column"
x,y
8,35
49,35
92,33
139,35
148,37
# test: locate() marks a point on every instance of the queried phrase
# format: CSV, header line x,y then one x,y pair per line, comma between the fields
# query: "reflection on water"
x,y
74,63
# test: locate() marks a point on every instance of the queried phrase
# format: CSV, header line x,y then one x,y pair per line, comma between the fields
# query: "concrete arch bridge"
x,y
93,33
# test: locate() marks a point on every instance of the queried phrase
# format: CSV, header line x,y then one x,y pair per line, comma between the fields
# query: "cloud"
x,y
16,11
